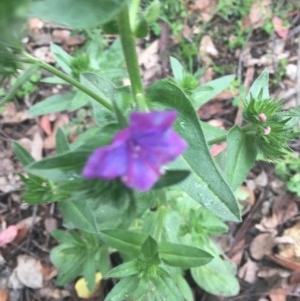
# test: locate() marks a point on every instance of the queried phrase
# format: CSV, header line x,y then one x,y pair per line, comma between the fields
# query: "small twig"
x,y
51,213
31,227
164,42
19,247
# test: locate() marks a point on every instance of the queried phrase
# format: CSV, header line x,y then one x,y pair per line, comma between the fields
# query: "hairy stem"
x,y
128,46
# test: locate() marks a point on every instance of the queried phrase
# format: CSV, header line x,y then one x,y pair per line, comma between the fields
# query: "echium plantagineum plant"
x,y
141,182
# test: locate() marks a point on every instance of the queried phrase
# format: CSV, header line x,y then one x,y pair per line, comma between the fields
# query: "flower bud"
x,y
262,117
267,130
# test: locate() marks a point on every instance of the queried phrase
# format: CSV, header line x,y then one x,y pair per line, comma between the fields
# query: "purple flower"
x,y
138,152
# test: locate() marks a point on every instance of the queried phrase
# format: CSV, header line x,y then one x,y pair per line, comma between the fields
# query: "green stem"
x,y
32,60
128,46
247,129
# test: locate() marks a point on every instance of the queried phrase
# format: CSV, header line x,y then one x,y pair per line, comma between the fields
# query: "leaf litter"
x,y
265,245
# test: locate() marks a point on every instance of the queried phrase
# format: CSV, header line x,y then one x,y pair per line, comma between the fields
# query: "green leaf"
x,y
105,89
205,184
165,288
67,237
149,249
37,190
177,69
217,277
76,14
12,28
124,270
124,241
63,59
53,80
152,12
260,87
184,288
171,177
22,154
69,165
90,270
123,288
23,78
211,132
182,256
241,154
61,167
62,145
69,260
111,27
201,95
59,102
141,28
74,214
99,84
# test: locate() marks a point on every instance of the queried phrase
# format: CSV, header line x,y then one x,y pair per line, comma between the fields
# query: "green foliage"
x,y
78,255
92,13
205,184
288,170
80,67
213,276
268,123
25,84
232,8
170,12
12,25
22,154
240,156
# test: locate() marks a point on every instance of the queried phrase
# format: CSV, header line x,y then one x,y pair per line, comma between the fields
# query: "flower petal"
x,y
107,162
162,147
121,137
140,175
151,121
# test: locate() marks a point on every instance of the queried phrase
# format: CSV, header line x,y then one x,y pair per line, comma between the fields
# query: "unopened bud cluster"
x,y
272,134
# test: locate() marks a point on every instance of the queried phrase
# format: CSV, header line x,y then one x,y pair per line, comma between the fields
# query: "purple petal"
x,y
107,162
121,137
141,175
163,147
151,121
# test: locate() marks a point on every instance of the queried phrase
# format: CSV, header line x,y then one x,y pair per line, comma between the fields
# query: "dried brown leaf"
x,y
291,250
10,114
207,49
50,224
4,295
58,294
8,235
207,8
45,124
260,11
278,294
37,146
29,271
248,272
60,120
280,28
261,245
35,24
